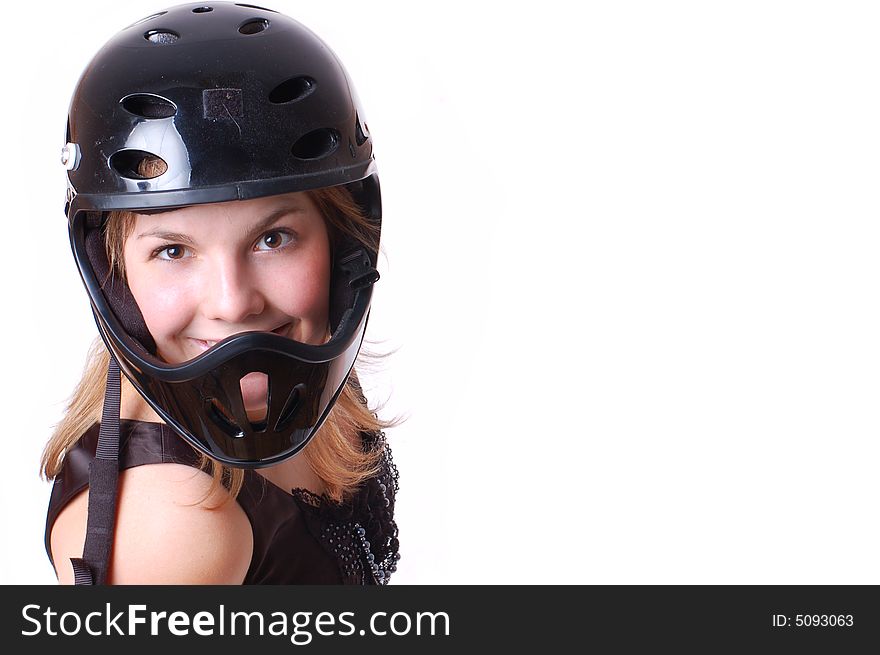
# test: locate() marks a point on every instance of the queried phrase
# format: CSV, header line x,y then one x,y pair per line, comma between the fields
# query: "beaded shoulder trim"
x,y
361,533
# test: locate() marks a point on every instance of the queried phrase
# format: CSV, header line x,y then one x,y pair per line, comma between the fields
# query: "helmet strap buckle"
x,y
360,270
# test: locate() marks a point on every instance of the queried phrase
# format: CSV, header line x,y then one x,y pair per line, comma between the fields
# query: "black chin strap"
x,y
91,569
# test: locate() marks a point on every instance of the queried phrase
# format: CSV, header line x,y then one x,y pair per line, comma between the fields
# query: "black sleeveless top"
x,y
298,539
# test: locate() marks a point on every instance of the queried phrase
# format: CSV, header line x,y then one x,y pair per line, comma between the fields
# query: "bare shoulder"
x,y
167,532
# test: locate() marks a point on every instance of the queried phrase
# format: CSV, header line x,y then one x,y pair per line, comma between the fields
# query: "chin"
x,y
255,394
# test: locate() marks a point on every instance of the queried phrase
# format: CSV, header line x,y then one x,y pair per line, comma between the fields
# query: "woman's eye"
x,y
274,240
171,252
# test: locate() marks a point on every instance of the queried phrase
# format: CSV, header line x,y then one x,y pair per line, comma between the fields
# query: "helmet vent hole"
x,y
222,417
252,388
137,164
148,105
161,37
293,89
316,144
146,18
292,406
202,10
254,26
359,134
238,4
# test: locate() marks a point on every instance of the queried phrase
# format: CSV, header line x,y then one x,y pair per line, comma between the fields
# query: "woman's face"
x,y
200,274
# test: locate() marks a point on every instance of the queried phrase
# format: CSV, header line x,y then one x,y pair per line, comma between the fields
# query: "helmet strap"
x,y
91,568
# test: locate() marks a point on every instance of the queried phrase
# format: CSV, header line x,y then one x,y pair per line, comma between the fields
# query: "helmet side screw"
x,y
70,156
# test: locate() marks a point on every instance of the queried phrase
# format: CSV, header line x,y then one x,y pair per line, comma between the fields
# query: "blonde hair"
x,y
334,456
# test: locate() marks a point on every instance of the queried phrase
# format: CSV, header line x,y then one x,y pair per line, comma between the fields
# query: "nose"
x,y
231,292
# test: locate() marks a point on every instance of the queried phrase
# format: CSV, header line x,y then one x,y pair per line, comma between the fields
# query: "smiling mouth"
x,y
205,344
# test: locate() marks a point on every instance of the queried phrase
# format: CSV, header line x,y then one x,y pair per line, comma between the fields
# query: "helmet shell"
x,y
239,102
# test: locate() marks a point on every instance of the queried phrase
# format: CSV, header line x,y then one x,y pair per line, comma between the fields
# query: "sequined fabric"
x,y
360,534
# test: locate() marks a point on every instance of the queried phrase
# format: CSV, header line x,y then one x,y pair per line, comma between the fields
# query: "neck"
x,y
133,407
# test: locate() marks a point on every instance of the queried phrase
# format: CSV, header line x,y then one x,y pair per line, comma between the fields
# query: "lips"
x,y
205,344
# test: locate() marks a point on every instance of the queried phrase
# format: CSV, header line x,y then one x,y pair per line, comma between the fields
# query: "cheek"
x,y
304,289
165,307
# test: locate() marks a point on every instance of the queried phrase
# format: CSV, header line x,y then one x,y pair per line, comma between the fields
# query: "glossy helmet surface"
x,y
238,102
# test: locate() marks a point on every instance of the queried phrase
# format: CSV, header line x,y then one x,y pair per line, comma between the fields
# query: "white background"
x,y
630,270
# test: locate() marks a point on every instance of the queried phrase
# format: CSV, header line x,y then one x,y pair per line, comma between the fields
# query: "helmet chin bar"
x,y
208,410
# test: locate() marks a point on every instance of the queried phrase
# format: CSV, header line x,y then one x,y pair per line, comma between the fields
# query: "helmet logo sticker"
x,y
222,104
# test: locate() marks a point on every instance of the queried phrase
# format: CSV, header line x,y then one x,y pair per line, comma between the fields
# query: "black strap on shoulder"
x,y
91,568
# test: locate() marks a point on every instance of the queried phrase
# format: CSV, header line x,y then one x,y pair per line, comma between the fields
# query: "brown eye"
x,y
274,240
171,252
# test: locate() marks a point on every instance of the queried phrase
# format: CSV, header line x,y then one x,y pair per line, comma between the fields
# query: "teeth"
x,y
203,344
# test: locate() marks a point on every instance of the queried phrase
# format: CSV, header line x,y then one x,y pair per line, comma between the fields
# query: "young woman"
x,y
224,213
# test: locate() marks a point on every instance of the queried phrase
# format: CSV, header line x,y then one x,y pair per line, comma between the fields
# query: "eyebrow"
x,y
179,237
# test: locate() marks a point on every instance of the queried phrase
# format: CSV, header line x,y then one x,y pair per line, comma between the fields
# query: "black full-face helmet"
x,y
237,102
